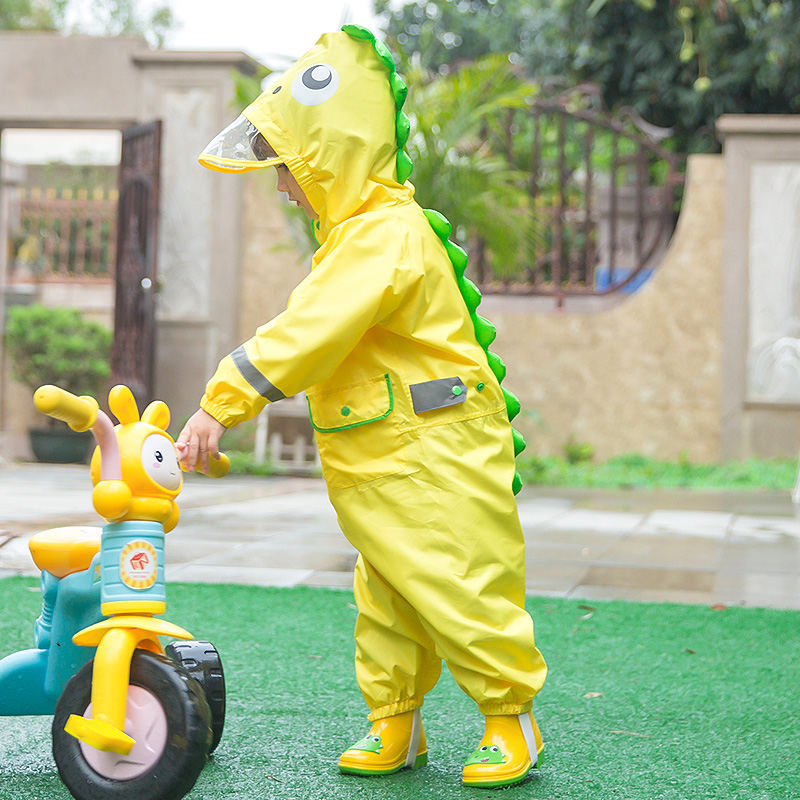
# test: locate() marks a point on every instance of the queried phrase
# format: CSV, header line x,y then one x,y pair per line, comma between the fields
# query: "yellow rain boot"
x,y
510,748
392,744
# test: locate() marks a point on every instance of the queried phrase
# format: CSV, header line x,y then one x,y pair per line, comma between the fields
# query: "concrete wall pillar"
x,y
200,222
761,286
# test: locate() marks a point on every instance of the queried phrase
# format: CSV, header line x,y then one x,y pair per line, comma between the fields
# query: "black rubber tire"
x,y
188,736
201,660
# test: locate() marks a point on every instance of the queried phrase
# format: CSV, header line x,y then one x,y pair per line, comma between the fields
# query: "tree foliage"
x,y
104,18
23,15
456,145
435,34
123,18
679,63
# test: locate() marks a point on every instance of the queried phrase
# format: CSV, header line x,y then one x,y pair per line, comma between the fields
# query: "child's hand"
x,y
199,438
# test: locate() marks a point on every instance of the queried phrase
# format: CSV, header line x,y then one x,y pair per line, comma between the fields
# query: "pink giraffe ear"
x,y
123,405
157,413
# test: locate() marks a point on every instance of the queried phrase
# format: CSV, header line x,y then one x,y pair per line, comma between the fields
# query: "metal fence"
x,y
603,199
66,234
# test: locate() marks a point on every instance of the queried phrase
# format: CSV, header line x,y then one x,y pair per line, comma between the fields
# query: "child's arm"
x,y
199,438
355,286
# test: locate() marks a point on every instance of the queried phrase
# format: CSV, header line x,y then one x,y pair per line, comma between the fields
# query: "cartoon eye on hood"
x,y
315,85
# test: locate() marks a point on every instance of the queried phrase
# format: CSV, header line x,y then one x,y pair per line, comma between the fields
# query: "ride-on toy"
x,y
132,719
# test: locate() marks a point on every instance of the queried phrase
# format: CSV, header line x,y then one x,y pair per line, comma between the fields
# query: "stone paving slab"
x,y
584,519
692,523
683,546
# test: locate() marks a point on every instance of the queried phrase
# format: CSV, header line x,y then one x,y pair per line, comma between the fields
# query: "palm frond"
x,y
461,168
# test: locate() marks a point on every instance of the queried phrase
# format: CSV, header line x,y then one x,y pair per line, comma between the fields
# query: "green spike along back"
x,y
485,332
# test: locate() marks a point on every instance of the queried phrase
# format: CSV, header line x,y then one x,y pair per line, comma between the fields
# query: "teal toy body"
x,y
31,681
132,719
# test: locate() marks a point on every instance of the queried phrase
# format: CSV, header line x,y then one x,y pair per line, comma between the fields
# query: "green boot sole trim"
x,y
500,782
422,760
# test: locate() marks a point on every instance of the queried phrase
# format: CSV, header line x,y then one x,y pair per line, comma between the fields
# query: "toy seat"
x,y
63,551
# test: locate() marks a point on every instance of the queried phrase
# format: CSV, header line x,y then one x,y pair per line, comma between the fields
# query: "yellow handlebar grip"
x,y
80,413
218,468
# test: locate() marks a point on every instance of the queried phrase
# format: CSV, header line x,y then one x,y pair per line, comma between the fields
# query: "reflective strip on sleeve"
x,y
440,393
254,377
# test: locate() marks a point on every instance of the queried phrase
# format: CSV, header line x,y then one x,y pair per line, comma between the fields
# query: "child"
x,y
412,425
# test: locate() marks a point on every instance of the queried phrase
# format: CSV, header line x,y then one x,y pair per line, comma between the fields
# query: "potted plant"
x,y
58,346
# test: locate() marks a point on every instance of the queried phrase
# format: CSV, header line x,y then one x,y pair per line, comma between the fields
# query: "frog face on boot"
x,y
487,754
370,744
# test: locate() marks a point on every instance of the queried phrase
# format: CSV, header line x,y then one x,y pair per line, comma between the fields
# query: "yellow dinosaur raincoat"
x,y
411,422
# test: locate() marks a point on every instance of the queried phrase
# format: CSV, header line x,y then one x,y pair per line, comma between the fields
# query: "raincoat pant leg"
x,y
407,668
445,540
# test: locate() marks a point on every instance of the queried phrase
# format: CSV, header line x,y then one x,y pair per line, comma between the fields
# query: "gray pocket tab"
x,y
441,393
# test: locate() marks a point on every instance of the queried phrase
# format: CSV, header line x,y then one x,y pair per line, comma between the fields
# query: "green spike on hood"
x,y
485,332
399,92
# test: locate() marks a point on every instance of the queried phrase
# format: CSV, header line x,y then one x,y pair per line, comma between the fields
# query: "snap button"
x,y
457,390
481,386
345,411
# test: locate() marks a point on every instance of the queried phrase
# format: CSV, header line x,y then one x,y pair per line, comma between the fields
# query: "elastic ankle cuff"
x,y
396,708
515,709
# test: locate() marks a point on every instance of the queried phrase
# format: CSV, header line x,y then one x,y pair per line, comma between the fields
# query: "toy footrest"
x,y
99,734
63,551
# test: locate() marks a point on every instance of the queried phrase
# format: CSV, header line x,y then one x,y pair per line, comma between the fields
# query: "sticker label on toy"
x,y
138,564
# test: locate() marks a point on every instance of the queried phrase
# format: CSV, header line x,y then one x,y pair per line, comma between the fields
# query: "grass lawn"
x,y
621,472
635,471
643,701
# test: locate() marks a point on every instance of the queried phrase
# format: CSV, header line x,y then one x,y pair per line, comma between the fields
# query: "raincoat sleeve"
x,y
361,279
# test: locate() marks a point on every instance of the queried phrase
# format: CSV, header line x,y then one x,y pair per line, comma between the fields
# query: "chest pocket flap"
x,y
358,404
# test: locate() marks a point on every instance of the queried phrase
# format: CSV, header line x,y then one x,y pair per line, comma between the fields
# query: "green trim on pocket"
x,y
355,424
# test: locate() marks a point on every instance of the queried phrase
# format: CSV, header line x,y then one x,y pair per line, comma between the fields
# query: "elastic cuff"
x,y
395,708
218,412
491,709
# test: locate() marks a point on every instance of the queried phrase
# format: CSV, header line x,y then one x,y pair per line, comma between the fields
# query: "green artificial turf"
x,y
643,701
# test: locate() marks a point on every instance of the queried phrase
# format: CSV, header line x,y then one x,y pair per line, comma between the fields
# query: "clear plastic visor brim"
x,y
238,148
230,165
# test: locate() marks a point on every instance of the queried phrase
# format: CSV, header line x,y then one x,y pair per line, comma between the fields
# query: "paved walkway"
x,y
735,548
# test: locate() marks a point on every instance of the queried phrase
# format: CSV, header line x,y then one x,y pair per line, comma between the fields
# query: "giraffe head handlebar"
x,y
135,469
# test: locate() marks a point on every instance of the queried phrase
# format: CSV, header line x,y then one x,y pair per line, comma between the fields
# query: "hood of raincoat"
x,y
330,118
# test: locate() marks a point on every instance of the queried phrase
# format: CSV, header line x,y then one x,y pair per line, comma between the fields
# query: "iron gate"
x,y
133,353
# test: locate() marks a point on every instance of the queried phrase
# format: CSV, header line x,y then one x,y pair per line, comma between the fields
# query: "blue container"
x,y
132,562
602,278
